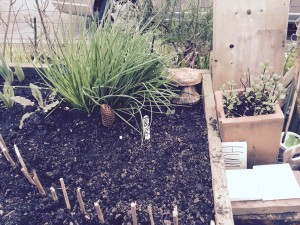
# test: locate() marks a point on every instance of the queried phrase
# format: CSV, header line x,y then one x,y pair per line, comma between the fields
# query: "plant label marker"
x,y
53,193
80,201
26,174
133,213
20,158
146,127
150,215
38,183
212,222
99,212
175,215
63,187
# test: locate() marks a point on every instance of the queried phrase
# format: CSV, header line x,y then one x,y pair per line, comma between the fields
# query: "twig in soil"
x,y
80,201
4,149
7,155
26,174
175,215
20,158
63,187
133,213
150,214
53,193
38,183
99,212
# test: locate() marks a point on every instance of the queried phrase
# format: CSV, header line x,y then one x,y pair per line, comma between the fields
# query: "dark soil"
x,y
111,165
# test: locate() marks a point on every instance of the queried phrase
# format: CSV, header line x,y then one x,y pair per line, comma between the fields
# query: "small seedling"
x,y
7,95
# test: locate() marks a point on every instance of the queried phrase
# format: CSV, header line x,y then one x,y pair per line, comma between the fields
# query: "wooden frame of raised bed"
x,y
222,204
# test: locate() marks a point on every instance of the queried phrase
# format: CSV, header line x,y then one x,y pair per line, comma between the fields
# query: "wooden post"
x,y
38,183
99,212
63,187
175,215
26,174
53,193
133,213
150,214
80,200
20,158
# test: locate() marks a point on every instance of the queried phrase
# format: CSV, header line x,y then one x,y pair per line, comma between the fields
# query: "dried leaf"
x,y
22,101
50,106
24,117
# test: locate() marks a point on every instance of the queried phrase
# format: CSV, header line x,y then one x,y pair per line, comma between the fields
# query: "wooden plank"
x,y
223,212
245,34
292,217
267,207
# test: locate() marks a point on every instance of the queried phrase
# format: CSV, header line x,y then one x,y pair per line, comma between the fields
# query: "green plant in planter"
x,y
258,97
112,65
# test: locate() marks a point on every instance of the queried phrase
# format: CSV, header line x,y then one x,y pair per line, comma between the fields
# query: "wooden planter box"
x,y
262,133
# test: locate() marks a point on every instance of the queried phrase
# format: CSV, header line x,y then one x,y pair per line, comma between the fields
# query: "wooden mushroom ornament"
x,y
186,79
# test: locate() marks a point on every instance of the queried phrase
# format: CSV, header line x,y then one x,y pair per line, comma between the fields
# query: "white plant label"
x,y
235,155
146,127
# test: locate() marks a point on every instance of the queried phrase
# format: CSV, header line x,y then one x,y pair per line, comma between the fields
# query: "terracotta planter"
x,y
262,133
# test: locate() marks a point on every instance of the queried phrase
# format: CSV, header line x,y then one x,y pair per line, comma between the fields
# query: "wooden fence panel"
x,y
247,33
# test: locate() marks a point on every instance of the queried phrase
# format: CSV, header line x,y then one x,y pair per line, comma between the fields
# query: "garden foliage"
x,y
258,97
112,63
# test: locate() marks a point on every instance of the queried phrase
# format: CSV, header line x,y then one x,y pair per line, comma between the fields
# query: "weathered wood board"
x,y
223,211
245,34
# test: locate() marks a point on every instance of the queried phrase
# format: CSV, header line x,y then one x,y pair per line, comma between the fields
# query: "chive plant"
x,y
110,63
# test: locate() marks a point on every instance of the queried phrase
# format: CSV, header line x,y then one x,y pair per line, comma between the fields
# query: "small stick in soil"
x,y
175,215
20,158
133,213
80,200
53,193
8,157
38,183
26,174
212,222
99,212
5,151
63,187
2,141
150,214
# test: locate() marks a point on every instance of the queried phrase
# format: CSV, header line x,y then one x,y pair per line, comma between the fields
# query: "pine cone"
x,y
108,116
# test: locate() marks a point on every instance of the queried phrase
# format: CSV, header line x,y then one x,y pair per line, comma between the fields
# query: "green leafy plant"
x,y
189,31
44,104
7,94
113,64
258,97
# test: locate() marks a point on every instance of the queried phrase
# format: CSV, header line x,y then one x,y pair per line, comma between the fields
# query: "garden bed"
x,y
111,165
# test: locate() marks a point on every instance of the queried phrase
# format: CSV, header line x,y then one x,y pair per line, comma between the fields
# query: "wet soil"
x,y
110,165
